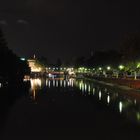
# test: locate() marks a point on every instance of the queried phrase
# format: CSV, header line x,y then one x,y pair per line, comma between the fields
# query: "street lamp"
x,y
121,67
108,68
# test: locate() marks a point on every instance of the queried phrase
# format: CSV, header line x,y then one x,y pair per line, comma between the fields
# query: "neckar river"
x,y
69,109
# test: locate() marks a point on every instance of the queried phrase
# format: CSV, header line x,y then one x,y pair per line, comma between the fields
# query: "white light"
x,y
100,95
108,68
23,59
89,89
120,107
100,68
108,99
85,87
121,67
135,101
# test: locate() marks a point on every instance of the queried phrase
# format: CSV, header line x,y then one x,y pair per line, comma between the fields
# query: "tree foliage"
x,y
12,68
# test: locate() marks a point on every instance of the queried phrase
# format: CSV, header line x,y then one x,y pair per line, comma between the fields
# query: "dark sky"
x,y
66,28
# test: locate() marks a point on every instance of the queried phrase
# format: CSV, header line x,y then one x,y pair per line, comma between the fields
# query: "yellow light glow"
x,y
35,83
33,66
121,67
138,65
100,95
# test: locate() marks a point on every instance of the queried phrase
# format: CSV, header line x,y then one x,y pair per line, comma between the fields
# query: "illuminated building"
x,y
34,66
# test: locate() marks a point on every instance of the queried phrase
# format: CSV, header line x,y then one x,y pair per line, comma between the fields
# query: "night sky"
x,y
66,28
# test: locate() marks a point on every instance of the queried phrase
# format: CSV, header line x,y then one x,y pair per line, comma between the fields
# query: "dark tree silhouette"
x,y
104,58
58,63
80,61
12,69
130,47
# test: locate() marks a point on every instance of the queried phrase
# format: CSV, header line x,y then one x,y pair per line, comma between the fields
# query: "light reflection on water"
x,y
122,103
126,105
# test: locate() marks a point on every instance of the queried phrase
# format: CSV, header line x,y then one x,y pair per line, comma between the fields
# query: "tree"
x,y
12,68
130,49
58,63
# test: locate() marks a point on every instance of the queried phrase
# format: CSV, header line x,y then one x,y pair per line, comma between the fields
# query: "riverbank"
x,y
125,84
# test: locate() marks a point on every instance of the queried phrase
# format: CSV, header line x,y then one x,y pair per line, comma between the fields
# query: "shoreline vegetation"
x,y
13,69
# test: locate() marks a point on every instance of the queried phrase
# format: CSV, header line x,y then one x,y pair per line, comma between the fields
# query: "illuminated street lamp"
x,y
108,68
121,67
100,68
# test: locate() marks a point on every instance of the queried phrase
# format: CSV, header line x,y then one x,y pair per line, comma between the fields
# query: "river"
x,y
69,109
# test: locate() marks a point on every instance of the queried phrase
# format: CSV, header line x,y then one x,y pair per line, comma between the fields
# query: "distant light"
x,y
22,59
121,67
89,89
108,99
138,65
108,68
100,95
120,107
100,68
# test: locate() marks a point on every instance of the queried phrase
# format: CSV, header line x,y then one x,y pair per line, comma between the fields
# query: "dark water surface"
x,y
68,109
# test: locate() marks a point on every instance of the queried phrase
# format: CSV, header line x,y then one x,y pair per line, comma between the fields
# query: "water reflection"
x,y
93,91
120,107
35,83
123,103
108,99
59,82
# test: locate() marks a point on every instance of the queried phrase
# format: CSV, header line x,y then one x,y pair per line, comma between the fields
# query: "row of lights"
x,y
56,68
121,67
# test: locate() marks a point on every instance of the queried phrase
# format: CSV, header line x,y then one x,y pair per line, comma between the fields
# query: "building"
x,y
35,67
